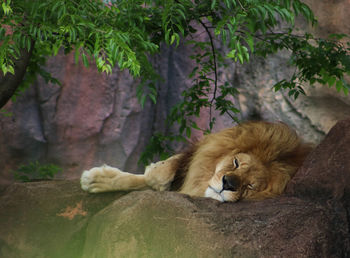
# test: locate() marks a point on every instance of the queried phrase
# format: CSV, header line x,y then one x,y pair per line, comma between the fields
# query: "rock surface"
x,y
51,219
57,219
47,219
331,159
95,119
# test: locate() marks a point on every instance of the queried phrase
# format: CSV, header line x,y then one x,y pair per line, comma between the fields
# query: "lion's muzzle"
x,y
230,183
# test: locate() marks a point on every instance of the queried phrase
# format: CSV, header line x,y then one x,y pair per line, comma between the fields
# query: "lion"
x,y
251,161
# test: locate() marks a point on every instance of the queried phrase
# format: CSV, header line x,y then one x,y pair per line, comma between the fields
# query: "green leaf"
x,y
250,41
339,85
188,132
153,98
85,60
346,88
331,81
173,37
142,101
11,69
76,56
213,3
181,13
6,7
232,53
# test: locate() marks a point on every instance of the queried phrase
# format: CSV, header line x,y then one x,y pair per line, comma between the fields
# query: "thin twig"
x,y
232,117
215,67
241,5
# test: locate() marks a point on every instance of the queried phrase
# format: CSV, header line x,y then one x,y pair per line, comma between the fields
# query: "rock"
x,y
58,219
331,15
47,219
325,175
90,120
168,224
55,219
257,100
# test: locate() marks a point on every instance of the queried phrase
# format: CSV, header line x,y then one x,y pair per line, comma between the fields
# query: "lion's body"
x,y
254,160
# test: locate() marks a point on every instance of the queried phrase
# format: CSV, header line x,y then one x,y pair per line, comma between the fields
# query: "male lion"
x,y
252,161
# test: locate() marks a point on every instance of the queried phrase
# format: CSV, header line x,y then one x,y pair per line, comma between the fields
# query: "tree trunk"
x,y
9,83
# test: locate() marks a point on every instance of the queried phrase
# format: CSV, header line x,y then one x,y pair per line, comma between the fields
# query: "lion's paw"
x,y
99,179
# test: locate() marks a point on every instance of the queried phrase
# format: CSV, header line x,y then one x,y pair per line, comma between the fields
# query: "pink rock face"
x,y
90,120
90,114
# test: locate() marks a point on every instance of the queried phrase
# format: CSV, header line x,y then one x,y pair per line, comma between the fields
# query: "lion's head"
x,y
251,161
243,176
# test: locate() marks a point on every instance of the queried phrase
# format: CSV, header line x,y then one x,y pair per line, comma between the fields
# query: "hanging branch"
x,y
10,82
214,66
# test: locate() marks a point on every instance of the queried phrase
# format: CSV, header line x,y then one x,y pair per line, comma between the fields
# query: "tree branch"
x,y
10,82
215,67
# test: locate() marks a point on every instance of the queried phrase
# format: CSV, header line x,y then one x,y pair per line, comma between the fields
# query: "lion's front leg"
x,y
106,179
160,175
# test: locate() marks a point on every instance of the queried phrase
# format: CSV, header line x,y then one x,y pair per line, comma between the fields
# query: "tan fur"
x,y
267,155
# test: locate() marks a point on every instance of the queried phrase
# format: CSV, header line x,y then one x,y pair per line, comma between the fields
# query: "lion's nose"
x,y
230,183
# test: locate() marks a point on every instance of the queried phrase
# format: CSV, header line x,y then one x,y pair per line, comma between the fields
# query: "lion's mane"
x,y
275,145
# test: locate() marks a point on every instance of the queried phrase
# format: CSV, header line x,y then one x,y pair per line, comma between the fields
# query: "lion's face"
x,y
238,176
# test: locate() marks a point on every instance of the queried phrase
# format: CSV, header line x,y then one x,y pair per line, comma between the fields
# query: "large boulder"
x,y
58,219
150,224
325,175
47,219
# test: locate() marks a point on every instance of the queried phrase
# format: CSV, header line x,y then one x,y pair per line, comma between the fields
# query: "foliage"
x,y
159,146
324,62
127,32
5,113
90,28
35,171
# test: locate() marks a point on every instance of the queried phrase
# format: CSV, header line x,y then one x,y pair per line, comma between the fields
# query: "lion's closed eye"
x,y
236,163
